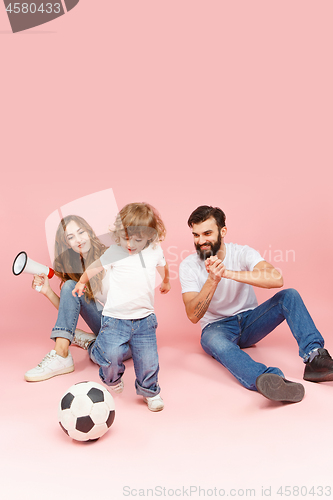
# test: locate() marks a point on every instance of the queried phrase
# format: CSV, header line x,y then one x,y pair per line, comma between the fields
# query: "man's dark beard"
x,y
214,248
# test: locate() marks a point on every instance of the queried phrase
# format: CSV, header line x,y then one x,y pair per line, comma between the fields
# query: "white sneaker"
x,y
50,366
155,403
83,339
118,388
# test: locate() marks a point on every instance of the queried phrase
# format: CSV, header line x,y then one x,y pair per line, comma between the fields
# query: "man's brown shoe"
x,y
277,388
320,369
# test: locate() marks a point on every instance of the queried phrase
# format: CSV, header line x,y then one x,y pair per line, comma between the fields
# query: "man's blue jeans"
x,y
112,344
69,310
225,339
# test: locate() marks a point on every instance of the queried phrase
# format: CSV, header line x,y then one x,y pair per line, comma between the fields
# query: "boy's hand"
x,y
165,287
79,289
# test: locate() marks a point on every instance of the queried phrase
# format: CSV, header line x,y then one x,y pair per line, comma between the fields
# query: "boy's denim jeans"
x,y
225,339
112,343
69,310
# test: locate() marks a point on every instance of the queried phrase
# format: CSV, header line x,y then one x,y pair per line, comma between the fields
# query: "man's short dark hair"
x,y
205,212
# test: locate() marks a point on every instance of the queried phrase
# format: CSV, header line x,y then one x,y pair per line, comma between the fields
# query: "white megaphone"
x,y
22,264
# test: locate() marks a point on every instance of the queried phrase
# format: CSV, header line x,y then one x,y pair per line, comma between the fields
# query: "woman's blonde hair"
x,y
70,265
139,218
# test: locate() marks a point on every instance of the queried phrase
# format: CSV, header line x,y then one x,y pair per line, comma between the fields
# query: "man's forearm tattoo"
x,y
201,307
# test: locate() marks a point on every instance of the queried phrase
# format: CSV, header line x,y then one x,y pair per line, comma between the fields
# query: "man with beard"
x,y
217,290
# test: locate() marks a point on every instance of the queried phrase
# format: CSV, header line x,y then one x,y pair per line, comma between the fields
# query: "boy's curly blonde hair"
x,y
142,219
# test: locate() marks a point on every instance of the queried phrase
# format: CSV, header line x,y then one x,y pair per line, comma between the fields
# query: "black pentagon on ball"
x,y
84,424
63,428
96,395
67,401
110,419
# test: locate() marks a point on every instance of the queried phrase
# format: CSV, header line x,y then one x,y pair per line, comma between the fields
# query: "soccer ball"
x,y
86,411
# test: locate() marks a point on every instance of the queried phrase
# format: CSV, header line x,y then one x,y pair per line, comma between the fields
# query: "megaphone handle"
x,y
38,288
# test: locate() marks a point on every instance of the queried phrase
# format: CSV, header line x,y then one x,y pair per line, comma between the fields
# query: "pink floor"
x,y
212,433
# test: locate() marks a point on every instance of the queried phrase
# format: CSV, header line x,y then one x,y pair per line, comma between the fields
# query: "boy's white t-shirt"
x,y
100,296
230,297
131,281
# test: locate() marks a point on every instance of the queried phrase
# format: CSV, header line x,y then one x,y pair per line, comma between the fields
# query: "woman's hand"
x,y
79,289
41,280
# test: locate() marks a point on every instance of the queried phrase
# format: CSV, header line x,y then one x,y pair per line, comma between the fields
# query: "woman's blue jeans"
x,y
225,339
112,344
69,310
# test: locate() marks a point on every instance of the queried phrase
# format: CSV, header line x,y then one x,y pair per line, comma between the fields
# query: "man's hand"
x,y
215,268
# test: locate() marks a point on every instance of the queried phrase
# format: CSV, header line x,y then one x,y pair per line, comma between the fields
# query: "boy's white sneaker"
x,y
50,366
83,339
118,388
155,403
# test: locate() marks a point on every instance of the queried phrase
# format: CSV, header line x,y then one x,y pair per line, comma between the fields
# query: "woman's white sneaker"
x,y
83,339
155,403
50,366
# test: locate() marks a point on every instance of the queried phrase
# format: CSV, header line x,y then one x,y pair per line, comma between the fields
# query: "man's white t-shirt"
x,y
131,281
230,297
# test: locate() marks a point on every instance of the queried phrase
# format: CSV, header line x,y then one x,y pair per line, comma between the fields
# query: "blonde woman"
x,y
76,247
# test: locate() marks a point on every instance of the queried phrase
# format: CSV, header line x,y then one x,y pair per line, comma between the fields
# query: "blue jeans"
x,y
69,310
112,343
225,339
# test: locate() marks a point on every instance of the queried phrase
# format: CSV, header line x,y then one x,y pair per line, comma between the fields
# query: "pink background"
x,y
177,103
